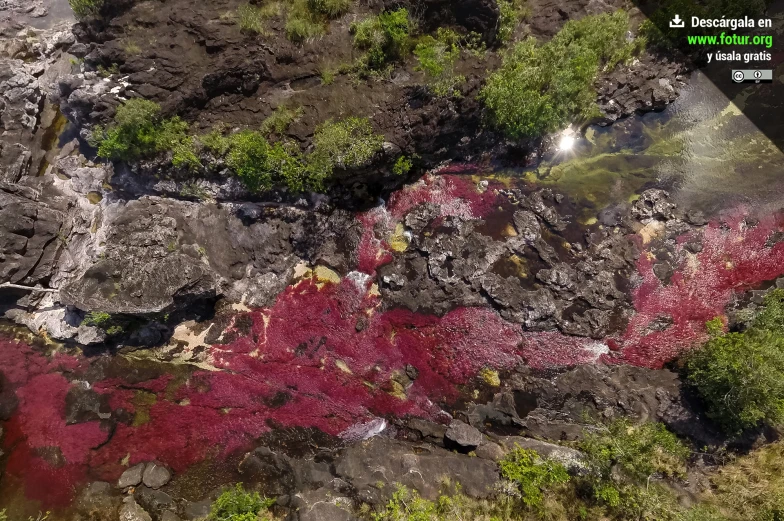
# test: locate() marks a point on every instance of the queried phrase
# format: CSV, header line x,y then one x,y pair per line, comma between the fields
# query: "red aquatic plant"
x,y
735,256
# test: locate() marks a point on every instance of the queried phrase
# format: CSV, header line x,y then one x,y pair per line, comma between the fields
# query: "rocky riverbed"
x,y
393,330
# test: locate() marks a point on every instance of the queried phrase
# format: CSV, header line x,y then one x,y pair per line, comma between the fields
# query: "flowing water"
x,y
701,148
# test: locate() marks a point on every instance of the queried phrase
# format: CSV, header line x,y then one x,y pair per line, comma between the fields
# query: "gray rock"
x,y
193,510
155,475
131,511
132,476
89,335
572,459
490,451
99,496
462,436
419,467
168,515
156,502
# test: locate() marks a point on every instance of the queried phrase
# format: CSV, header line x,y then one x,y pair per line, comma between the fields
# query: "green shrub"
x,y
280,119
251,19
623,458
85,8
408,505
512,12
385,37
247,157
138,131
330,8
237,505
261,165
216,142
532,476
541,88
437,57
402,166
638,451
345,143
740,376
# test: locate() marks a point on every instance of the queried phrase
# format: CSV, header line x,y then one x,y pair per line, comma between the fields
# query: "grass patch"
x,y
532,477
237,505
83,9
624,459
303,23
251,19
280,119
330,8
542,88
751,487
437,57
346,143
740,376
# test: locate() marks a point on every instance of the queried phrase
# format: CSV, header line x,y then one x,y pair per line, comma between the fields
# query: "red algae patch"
x,y
453,195
735,257
328,355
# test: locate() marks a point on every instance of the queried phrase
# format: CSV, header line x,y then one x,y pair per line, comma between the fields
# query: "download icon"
x,y
677,23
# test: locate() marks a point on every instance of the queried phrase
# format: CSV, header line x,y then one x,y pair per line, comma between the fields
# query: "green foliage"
x,y
237,505
347,143
262,166
408,505
97,319
192,190
512,13
475,45
330,8
385,37
280,119
105,72
138,131
85,8
532,476
740,376
114,330
623,459
103,321
215,142
437,57
251,18
402,166
299,29
542,88
638,451
248,157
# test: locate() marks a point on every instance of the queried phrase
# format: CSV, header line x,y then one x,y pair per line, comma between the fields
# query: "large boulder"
x,y
419,467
